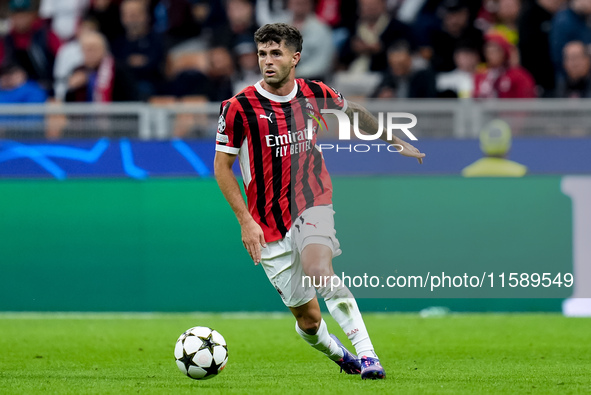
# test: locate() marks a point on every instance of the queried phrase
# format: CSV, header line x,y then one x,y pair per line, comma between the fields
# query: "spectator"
x,y
191,85
64,15
506,19
375,31
175,20
569,25
212,81
208,13
501,79
100,79
460,82
272,11
248,66
340,16
30,43
495,142
69,57
487,15
534,42
106,13
405,11
455,27
429,18
318,53
401,80
185,79
241,25
16,88
337,13
221,70
577,67
140,49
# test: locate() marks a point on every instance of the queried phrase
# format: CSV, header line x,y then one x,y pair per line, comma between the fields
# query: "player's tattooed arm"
x,y
368,122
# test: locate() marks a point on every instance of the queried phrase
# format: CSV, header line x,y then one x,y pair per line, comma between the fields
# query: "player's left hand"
x,y
410,150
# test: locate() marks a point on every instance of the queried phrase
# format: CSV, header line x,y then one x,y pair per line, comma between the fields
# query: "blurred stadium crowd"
x,y
203,50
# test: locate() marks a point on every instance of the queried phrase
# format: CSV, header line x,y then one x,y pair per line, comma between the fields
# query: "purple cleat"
x,y
371,369
349,363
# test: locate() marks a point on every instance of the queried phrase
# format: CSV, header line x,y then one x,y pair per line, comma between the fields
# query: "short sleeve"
x,y
230,133
334,98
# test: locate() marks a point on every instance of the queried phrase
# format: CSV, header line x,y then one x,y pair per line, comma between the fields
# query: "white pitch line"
x,y
138,315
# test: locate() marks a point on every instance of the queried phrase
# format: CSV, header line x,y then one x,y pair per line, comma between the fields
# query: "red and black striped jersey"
x,y
282,168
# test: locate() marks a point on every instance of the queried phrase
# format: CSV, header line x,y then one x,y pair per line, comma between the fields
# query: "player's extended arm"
x,y
368,122
252,234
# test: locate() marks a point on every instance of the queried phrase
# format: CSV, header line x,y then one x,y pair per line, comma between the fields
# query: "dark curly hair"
x,y
277,32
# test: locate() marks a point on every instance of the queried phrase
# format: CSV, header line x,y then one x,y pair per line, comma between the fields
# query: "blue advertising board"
x,y
137,159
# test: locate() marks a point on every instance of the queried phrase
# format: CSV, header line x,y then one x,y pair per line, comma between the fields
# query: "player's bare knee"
x,y
317,261
320,275
308,317
309,324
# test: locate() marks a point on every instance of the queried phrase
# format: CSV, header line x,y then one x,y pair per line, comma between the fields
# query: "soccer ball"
x,y
201,353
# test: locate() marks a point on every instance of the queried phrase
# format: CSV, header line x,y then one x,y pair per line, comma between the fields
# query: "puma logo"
x,y
268,118
314,225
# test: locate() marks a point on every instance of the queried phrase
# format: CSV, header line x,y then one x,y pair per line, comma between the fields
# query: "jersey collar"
x,y
271,96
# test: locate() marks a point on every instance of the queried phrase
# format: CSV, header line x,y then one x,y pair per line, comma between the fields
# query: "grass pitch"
x,y
133,353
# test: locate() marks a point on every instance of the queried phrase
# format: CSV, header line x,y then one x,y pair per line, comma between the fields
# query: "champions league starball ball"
x,y
201,353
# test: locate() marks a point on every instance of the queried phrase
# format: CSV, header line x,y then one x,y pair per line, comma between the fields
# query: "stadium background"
x,y
110,205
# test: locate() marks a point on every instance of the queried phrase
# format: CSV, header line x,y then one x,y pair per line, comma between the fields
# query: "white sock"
x,y
322,341
342,306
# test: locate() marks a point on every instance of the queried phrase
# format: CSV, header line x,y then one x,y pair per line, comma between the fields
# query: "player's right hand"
x,y
410,151
253,238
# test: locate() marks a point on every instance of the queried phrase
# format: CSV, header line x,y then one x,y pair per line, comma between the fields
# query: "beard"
x,y
278,79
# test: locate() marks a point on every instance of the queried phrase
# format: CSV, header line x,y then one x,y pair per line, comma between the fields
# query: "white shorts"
x,y
281,259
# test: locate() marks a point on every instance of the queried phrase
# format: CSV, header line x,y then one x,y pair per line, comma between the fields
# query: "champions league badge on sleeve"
x,y
221,124
220,136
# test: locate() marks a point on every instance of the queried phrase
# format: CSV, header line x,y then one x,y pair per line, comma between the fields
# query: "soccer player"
x,y
287,223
